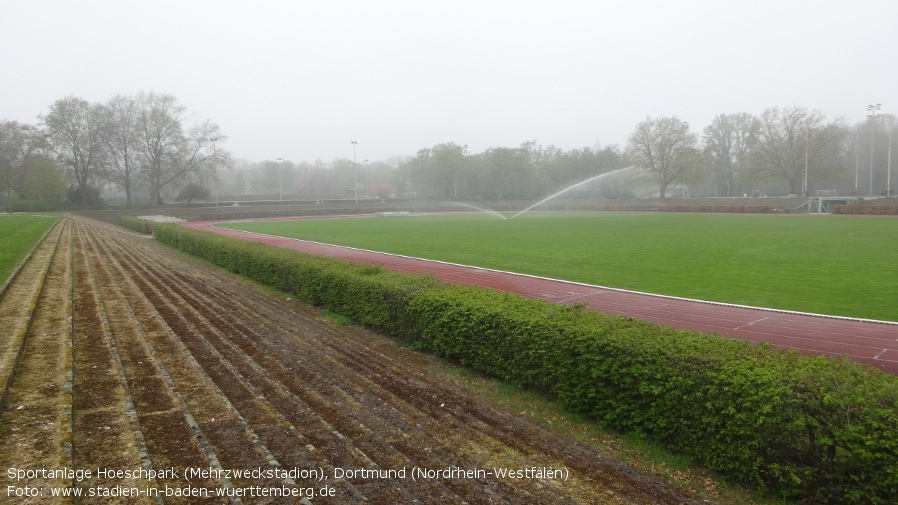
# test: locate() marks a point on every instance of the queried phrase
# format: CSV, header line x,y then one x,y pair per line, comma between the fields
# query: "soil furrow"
x,y
278,436
36,427
171,434
194,332
103,406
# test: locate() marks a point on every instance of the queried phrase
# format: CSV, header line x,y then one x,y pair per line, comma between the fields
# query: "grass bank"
x,y
18,234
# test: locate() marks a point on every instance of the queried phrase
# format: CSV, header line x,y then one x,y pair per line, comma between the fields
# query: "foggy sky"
x,y
300,79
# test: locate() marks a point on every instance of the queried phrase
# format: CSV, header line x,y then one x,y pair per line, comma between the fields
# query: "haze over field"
x,y
299,80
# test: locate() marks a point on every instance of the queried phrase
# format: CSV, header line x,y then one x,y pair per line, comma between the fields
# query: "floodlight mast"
x,y
367,179
807,138
889,163
872,116
280,185
355,172
857,156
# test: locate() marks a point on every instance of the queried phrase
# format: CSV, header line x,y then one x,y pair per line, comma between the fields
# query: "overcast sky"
x,y
300,79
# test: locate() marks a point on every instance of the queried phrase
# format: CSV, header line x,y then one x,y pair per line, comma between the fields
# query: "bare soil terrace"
x,y
119,353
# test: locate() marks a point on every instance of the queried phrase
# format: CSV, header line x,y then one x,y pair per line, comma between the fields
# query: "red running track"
x,y
871,342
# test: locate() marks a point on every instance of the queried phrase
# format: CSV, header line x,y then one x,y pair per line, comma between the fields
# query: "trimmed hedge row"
x,y
877,210
818,428
33,206
133,223
665,207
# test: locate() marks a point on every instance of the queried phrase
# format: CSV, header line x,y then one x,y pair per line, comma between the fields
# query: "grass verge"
x,y
18,234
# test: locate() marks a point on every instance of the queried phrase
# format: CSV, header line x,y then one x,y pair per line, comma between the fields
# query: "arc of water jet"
x,y
487,210
565,190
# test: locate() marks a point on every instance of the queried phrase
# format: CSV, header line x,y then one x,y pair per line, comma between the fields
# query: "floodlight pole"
x,y
857,156
807,137
215,170
872,116
355,172
280,186
367,180
889,163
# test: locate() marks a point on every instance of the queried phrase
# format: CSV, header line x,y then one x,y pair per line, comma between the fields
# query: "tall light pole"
x,y
872,116
857,155
215,171
355,172
889,164
807,138
280,186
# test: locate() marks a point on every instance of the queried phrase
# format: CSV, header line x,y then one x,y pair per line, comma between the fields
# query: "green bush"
x,y
866,209
33,206
133,223
818,428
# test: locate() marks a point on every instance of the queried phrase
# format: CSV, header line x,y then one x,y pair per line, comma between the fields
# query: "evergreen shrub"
x,y
133,223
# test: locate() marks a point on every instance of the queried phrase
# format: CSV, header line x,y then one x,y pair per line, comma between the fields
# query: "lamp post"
x,y
215,170
807,138
889,163
355,172
280,186
857,156
872,116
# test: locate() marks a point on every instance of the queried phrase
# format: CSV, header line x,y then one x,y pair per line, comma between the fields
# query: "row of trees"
x,y
448,171
790,147
341,178
144,141
783,144
129,141
25,167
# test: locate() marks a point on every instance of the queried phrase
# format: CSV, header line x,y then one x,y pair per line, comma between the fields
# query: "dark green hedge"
x,y
866,209
33,206
133,223
818,428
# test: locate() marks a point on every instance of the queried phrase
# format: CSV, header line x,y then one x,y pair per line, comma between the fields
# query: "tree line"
x,y
130,141
145,142
790,149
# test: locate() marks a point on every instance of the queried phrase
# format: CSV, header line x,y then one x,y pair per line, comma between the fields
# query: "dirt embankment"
x,y
145,363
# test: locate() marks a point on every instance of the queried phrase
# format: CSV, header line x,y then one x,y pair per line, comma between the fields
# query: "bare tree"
x,y
665,148
161,137
201,151
168,152
75,131
794,143
729,138
122,144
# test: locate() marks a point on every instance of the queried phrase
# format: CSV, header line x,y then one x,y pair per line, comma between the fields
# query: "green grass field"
x,y
839,265
18,234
